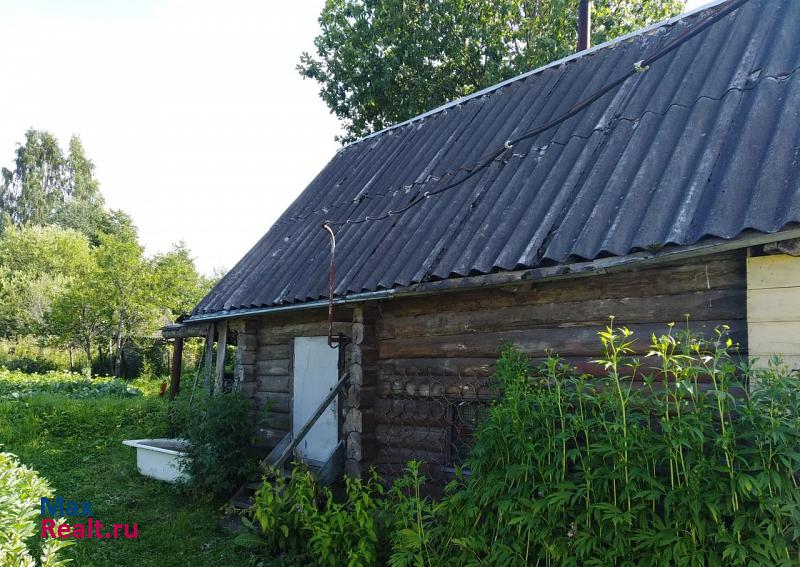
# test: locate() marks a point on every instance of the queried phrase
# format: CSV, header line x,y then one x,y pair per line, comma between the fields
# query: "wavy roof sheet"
x,y
706,143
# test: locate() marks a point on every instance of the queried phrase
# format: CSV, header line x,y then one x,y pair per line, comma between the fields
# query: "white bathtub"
x,y
160,458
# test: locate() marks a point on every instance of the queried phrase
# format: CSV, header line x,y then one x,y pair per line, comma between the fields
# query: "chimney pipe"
x,y
584,24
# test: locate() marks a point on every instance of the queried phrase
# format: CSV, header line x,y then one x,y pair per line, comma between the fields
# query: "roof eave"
x,y
549,273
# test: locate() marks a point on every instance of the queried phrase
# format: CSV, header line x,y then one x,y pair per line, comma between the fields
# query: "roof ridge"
x,y
526,74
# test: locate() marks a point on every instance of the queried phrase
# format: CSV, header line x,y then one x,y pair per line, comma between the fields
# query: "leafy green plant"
x,y
301,519
221,441
666,460
350,532
16,385
20,491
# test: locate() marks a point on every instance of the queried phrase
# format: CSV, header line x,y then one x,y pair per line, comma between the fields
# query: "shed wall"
x,y
434,355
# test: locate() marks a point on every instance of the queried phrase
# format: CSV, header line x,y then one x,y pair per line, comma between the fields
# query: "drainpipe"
x,y
584,24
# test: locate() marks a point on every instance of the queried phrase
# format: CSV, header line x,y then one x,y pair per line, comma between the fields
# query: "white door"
x,y
316,372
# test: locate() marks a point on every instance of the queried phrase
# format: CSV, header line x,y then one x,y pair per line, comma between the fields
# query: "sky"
x,y
192,110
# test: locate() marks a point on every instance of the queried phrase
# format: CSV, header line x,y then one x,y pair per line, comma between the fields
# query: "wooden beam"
x,y
222,342
182,331
175,373
209,352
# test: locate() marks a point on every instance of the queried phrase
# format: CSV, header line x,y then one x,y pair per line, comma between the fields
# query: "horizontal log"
x,y
279,334
400,387
276,402
721,271
267,437
713,305
400,456
246,357
272,352
410,437
277,367
410,411
275,384
184,330
471,367
575,341
274,420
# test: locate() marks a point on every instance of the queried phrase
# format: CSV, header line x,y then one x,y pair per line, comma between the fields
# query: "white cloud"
x,y
193,112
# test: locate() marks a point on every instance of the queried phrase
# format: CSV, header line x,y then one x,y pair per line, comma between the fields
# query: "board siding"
x,y
773,307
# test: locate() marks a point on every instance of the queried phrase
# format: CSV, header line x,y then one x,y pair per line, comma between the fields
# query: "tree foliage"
x,y
45,180
380,62
73,274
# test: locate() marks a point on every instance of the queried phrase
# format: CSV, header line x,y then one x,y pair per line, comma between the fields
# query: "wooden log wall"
x,y
436,353
271,353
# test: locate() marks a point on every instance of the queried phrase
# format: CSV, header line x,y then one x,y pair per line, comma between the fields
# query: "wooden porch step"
x,y
242,499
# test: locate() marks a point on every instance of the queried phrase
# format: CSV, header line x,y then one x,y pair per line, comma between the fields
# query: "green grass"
x,y
75,442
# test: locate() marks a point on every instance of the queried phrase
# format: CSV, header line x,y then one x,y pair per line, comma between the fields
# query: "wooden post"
x,y
222,341
208,359
358,427
175,375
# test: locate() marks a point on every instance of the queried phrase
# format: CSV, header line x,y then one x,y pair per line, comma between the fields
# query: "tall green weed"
x,y
683,457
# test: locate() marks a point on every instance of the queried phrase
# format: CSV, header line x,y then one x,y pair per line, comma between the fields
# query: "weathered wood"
x,y
277,367
404,411
267,438
718,305
277,384
183,331
208,355
399,456
272,352
219,365
272,335
331,471
724,271
277,402
175,371
575,341
275,420
297,439
429,438
467,367
401,386
271,460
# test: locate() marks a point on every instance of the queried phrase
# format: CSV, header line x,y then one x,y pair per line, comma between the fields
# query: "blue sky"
x,y
192,110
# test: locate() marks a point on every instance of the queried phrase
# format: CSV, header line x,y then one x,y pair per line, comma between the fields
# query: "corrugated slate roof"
x,y
705,143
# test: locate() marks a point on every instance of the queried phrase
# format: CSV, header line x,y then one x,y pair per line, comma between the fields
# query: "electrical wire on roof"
x,y
638,68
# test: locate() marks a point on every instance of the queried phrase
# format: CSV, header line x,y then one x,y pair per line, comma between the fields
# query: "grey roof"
x,y
705,143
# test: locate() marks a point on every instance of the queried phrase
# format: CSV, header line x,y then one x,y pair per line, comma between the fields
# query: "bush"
x,y
305,521
30,365
19,386
20,491
221,441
